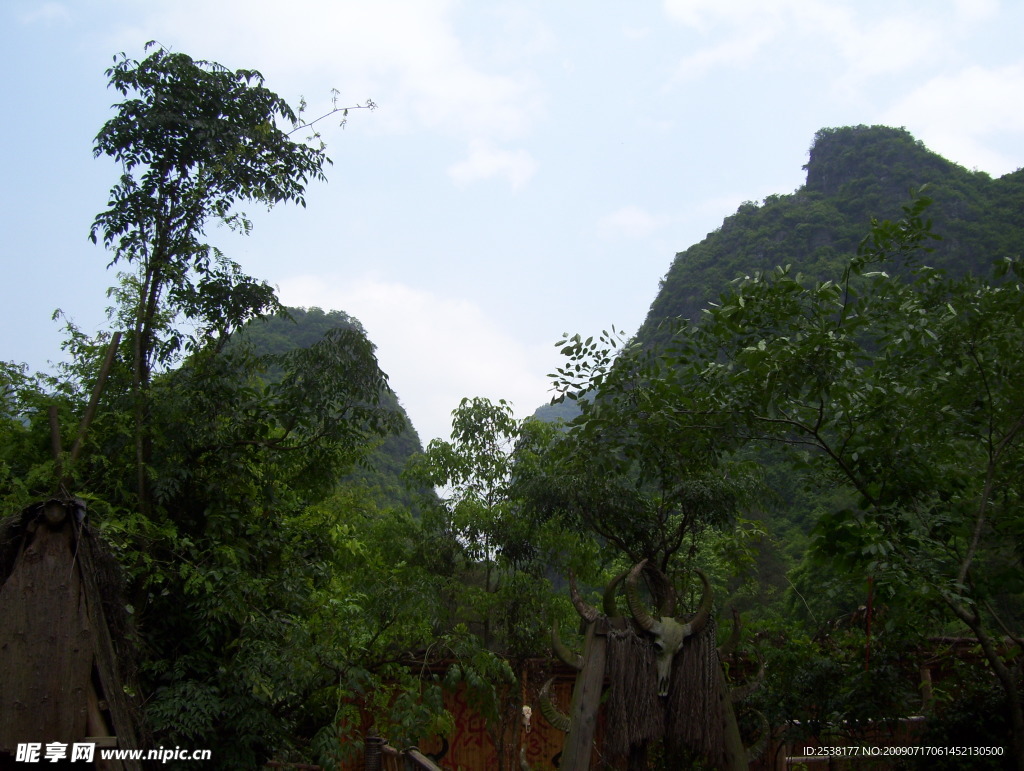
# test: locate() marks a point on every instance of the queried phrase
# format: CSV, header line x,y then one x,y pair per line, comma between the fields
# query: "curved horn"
x,y
587,613
741,692
524,764
550,712
611,607
698,622
436,756
734,637
645,620
755,750
561,650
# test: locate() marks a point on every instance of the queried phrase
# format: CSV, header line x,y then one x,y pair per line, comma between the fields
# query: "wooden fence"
x,y
471,746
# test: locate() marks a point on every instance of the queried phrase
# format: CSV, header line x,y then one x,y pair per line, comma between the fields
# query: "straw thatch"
x,y
693,719
65,641
688,719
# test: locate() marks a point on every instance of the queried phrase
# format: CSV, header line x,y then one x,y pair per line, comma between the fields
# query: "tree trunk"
x,y
1003,673
586,700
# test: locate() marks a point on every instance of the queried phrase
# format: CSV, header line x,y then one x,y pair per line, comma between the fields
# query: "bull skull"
x,y
669,633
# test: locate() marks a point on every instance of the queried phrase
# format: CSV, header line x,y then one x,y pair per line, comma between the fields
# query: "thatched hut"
x,y
64,644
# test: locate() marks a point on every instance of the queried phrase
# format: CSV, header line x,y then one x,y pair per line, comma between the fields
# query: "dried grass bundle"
x,y
693,720
635,715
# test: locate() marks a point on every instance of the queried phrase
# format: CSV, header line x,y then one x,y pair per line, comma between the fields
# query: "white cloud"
x,y
404,54
734,34
525,34
886,45
959,115
631,222
745,31
48,13
702,15
862,54
736,51
484,162
436,350
976,10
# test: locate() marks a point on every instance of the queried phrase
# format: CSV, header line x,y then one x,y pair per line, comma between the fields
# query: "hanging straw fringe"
x,y
635,713
693,720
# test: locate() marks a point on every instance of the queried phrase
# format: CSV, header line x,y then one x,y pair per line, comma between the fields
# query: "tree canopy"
x,y
892,381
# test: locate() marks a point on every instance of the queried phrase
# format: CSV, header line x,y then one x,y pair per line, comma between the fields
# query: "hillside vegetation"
x,y
823,407
835,450
296,328
854,174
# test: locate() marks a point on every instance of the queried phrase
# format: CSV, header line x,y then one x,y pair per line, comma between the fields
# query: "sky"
x,y
532,167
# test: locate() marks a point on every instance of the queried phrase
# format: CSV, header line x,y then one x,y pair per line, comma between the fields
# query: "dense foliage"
x,y
381,470
911,341
282,599
893,388
289,592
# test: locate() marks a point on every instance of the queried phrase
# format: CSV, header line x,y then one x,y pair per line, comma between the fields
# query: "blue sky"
x,y
532,168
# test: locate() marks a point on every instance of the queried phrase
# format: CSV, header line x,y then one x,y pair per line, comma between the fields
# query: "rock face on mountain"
x,y
853,174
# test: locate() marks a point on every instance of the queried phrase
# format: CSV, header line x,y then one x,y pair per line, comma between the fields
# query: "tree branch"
x,y
370,105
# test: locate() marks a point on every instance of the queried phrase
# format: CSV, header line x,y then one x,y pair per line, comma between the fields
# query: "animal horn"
x,y
729,645
611,607
436,756
524,764
645,620
756,750
550,712
587,613
698,622
561,650
741,692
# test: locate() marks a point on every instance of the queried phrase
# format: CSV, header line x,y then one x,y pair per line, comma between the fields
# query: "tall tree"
x,y
498,560
227,555
193,139
475,514
623,471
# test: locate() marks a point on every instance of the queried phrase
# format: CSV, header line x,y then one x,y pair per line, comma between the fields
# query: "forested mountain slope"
x,y
853,174
303,327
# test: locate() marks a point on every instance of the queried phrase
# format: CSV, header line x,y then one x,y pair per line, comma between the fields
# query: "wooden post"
x,y
927,692
586,699
373,747
45,644
735,754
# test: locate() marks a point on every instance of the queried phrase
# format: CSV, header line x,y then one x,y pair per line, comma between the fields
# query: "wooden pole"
x,y
586,699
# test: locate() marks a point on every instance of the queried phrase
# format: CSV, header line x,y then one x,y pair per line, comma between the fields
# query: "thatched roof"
x,y
65,641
